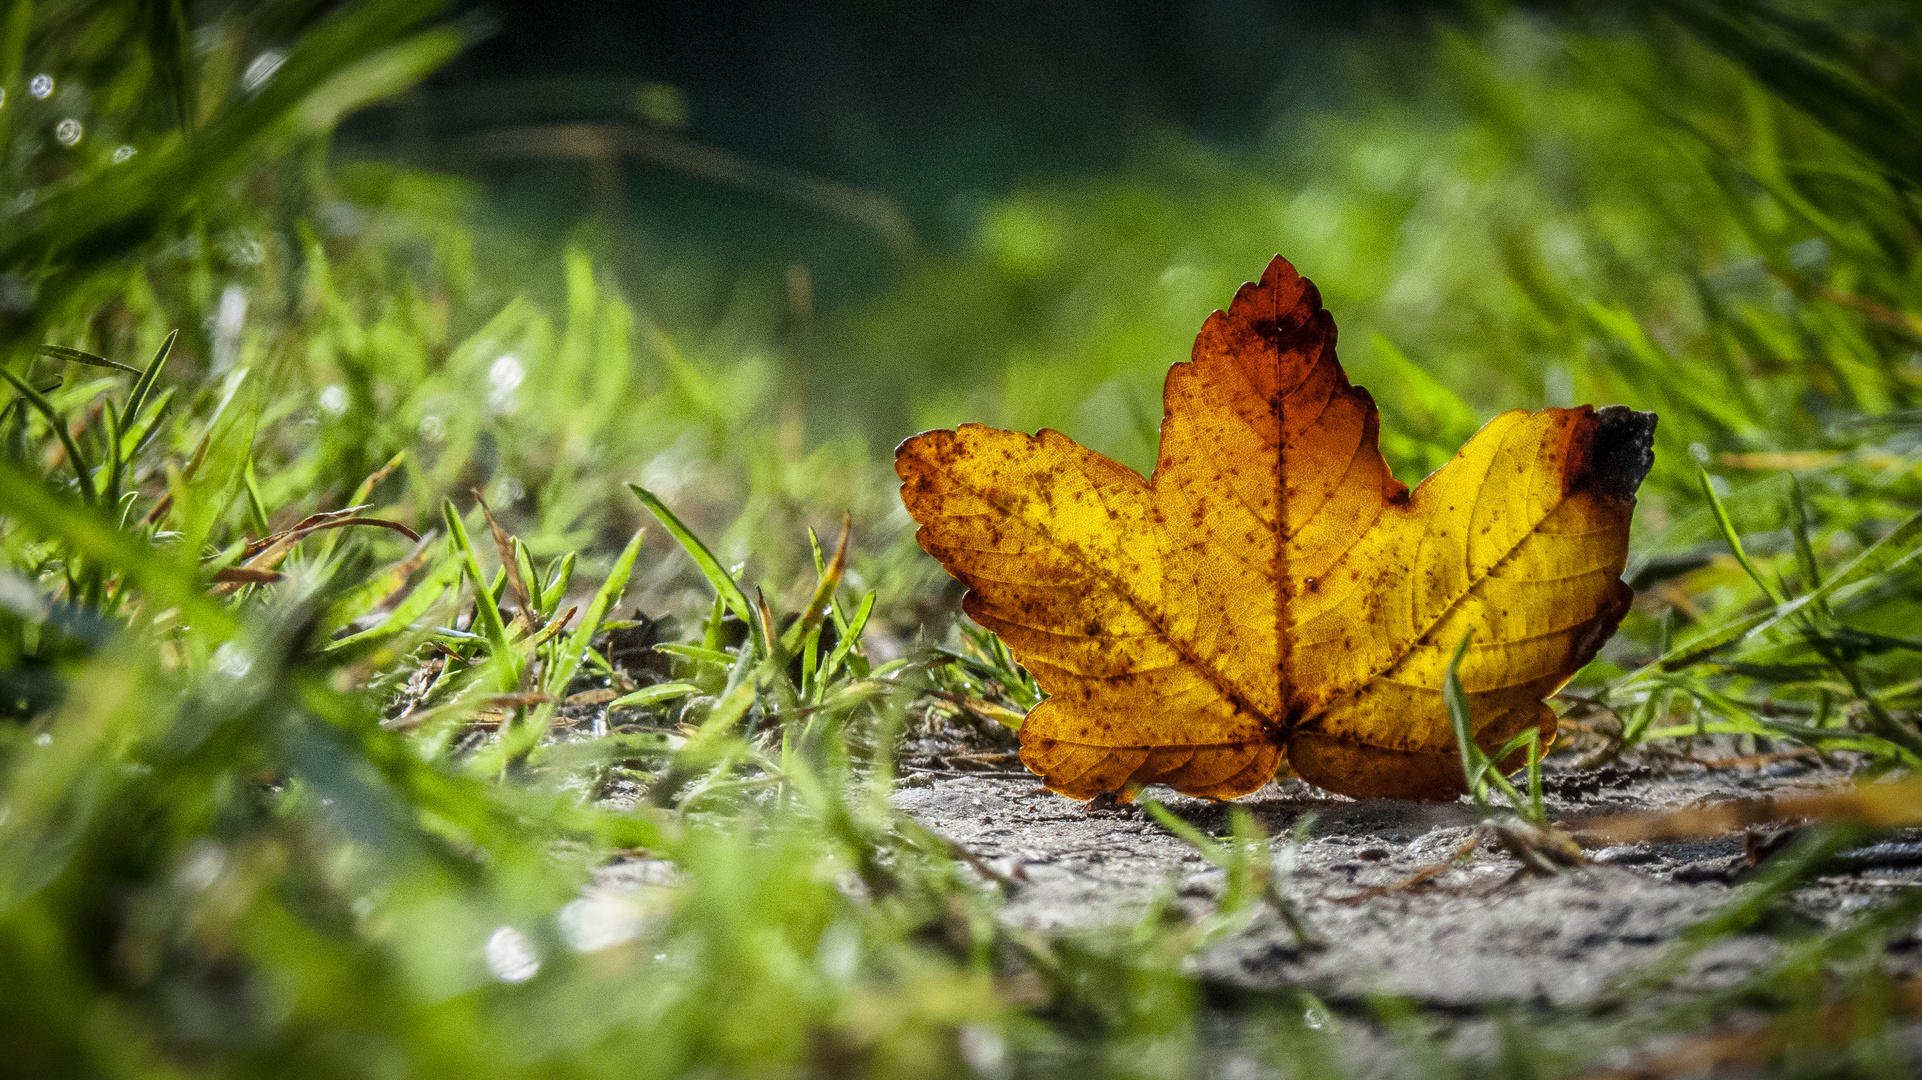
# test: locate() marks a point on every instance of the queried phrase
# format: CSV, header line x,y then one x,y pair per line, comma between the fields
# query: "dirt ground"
x,y
1474,940
1475,935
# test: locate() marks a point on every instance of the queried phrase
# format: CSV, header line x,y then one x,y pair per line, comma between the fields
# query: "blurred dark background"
x,y
909,118
861,220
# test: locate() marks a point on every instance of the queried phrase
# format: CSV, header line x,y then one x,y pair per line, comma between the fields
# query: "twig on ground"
x,y
1420,877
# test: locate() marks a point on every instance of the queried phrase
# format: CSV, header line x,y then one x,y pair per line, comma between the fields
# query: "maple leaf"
x,y
1273,597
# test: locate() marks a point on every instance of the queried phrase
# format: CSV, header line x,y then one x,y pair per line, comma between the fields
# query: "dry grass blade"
x,y
313,522
158,510
261,556
1543,852
1730,1050
986,710
1880,312
1882,806
286,540
485,704
1420,877
366,489
542,636
397,575
1755,761
236,576
766,616
512,565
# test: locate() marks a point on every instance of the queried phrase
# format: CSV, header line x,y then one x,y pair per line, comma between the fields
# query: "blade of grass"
x,y
698,653
45,408
1884,555
849,637
76,356
1209,848
724,585
111,424
653,695
486,612
256,506
143,386
530,579
1459,718
823,593
169,35
1799,526
1730,537
820,568
1701,648
568,658
1539,815
170,581
162,406
381,588
711,637
608,595
1881,557
557,587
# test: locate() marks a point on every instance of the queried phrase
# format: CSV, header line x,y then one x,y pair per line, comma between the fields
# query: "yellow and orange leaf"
x,y
1273,597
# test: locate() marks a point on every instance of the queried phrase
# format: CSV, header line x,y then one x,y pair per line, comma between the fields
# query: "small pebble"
x,y
1197,889
1372,854
1624,855
1719,872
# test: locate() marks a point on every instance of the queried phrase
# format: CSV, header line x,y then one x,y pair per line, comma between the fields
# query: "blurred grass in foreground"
x,y
278,790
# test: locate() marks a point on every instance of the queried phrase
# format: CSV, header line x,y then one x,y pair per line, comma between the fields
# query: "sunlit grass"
x,y
285,788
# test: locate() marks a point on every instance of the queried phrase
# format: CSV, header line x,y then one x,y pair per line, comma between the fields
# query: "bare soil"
x,y
1476,940
1479,933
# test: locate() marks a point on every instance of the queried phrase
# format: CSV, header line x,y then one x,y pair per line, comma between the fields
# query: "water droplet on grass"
x,y
593,923
510,956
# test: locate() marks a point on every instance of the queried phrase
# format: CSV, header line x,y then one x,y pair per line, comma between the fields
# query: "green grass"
x,y
247,825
